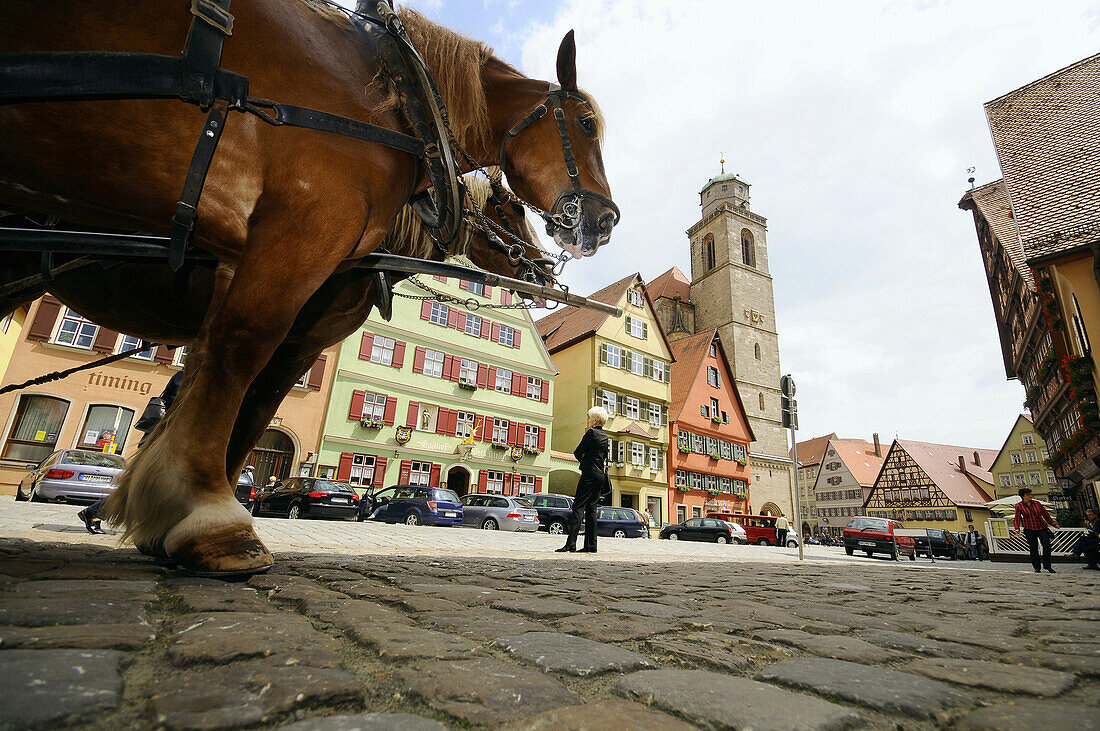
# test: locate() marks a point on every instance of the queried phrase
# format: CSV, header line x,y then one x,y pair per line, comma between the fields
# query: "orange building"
x,y
709,452
101,404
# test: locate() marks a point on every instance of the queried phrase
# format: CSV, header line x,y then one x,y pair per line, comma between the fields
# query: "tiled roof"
x,y
673,283
689,353
1047,136
811,450
993,203
859,456
567,456
566,325
635,430
941,463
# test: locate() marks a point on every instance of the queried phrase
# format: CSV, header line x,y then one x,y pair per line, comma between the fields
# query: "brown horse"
x,y
284,210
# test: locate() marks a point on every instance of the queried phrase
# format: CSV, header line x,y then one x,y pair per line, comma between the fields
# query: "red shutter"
x,y
545,390
487,430
505,297
448,361
488,291
162,355
542,439
491,378
452,422
519,385
414,415
418,360
434,479
441,421
356,411
461,324
482,375
105,340
513,432
317,373
379,472
399,354
44,319
404,472
463,284
483,481
343,472
365,346
484,328
452,317
538,484
442,279
515,339
507,483
426,310
391,411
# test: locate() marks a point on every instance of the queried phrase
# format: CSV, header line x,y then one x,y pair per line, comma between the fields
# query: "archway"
x,y
272,457
458,480
770,509
805,528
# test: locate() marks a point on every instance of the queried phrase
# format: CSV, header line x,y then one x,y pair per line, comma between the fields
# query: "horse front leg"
x,y
176,492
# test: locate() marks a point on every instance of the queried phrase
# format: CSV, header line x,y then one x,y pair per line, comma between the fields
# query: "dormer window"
x,y
635,297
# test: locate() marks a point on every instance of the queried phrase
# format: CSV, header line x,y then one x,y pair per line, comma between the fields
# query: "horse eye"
x,y
587,124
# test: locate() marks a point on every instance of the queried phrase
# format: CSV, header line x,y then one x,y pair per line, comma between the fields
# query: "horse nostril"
x,y
607,220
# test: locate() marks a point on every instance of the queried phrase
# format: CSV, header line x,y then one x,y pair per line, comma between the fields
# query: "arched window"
x,y
748,248
761,402
756,349
37,424
708,251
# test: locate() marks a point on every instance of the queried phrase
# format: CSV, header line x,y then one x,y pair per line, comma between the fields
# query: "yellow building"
x,y
624,365
1022,463
11,325
933,486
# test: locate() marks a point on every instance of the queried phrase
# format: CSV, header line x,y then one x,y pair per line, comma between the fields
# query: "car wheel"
x,y
489,524
913,556
35,497
294,512
673,536
870,554
792,544
556,528
763,542
738,541
620,533
413,518
848,550
255,510
894,553
721,539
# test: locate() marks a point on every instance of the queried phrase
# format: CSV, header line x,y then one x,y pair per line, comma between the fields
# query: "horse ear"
x,y
567,63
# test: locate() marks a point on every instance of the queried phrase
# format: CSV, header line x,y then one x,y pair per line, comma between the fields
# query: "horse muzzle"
x,y
583,225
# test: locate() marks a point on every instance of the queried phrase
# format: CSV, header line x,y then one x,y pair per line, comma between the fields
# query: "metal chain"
x,y
469,303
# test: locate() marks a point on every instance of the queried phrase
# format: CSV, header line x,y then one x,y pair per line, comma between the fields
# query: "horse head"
x,y
552,158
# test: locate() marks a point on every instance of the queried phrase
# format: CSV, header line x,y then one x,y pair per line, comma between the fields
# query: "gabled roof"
x,y
860,459
687,362
941,463
1015,426
993,203
633,428
1047,136
567,325
673,283
811,451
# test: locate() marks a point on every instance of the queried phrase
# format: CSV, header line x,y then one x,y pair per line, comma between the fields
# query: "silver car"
x,y
79,475
499,512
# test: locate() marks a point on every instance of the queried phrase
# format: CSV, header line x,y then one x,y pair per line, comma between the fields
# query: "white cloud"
x,y
854,122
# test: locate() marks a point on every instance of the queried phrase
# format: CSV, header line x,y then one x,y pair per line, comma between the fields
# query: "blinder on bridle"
x,y
569,203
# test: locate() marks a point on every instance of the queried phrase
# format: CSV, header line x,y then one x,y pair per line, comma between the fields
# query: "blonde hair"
x,y
600,414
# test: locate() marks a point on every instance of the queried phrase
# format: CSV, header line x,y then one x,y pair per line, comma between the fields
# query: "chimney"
x,y
977,460
878,447
962,463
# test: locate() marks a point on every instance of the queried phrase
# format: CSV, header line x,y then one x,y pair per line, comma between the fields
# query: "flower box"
x,y
373,423
715,456
712,492
741,462
619,464
499,445
531,450
682,488
685,450
467,385
716,419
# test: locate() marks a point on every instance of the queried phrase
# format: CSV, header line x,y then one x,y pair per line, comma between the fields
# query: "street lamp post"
x,y
790,420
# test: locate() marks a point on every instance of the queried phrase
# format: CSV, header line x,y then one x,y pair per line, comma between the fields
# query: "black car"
x,y
699,529
307,497
554,511
246,489
944,544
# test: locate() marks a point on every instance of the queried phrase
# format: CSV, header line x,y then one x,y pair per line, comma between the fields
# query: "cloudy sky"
x,y
855,123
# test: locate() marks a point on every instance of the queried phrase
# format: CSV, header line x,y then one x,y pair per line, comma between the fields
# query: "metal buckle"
x,y
212,15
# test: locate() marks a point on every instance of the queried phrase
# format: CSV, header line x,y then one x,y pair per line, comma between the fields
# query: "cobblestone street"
x,y
493,630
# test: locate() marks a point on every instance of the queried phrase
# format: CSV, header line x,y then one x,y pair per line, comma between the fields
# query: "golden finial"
x,y
722,160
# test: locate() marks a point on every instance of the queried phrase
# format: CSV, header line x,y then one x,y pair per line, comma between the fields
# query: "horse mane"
x,y
407,236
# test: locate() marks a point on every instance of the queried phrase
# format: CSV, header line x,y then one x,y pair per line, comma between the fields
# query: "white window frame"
x,y
420,473
614,356
362,470
534,388
637,364
465,421
1006,480
1017,458
659,370
467,370
1027,438
635,326
633,408
473,331
683,439
504,381
712,377
655,414
381,350
500,431
433,363
681,477
637,454
440,313
1032,456
526,484
494,482
653,458
507,336
129,342
530,436
696,480
1020,479
611,402
635,297
1035,478
82,329
374,405
180,356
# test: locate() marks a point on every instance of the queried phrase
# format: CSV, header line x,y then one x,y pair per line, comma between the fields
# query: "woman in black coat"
x,y
591,453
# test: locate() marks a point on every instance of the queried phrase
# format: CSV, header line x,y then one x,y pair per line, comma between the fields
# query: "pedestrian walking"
x,y
973,543
781,528
1037,524
591,453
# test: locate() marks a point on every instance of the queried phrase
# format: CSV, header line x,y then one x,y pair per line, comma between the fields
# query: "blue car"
x,y
418,504
620,523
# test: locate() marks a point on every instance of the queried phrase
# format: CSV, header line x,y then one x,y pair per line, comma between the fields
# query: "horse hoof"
x,y
231,551
157,553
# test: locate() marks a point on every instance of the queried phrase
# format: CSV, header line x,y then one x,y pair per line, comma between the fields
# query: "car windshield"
x,y
446,496
326,486
868,524
94,459
523,502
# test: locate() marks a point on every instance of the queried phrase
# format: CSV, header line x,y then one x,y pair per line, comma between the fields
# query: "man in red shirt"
x,y
1037,523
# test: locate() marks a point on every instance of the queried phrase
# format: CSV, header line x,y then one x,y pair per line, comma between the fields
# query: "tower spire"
x,y
722,161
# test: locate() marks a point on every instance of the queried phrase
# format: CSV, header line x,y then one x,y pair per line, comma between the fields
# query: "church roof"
x,y
673,283
724,177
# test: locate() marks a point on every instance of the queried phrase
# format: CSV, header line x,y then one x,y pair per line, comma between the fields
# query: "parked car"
x,y
245,491
793,539
739,534
554,511
877,535
759,529
620,522
71,475
699,529
944,543
307,497
499,512
419,504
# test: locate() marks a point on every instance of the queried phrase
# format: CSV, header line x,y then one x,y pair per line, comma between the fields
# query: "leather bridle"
x,y
569,202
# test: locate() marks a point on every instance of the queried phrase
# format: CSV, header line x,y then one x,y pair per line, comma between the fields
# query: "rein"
x,y
58,375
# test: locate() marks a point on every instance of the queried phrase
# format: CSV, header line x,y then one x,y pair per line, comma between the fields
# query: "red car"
x,y
759,529
877,535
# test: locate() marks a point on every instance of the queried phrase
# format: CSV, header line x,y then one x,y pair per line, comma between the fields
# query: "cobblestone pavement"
x,y
482,634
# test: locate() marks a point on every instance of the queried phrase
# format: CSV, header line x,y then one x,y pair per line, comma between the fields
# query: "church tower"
x,y
731,290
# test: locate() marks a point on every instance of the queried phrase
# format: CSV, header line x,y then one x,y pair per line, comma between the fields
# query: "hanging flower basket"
x,y
372,423
499,445
716,419
467,385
